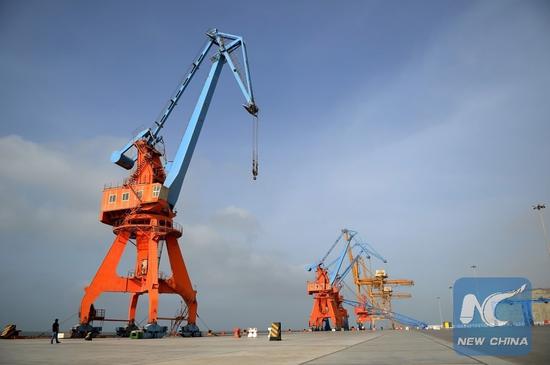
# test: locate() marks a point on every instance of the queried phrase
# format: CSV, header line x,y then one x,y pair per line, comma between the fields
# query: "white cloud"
x,y
52,191
436,165
49,221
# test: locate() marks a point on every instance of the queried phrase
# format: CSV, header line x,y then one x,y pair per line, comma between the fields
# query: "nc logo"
x,y
492,316
488,308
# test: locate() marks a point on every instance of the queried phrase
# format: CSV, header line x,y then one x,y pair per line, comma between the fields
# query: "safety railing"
x,y
163,227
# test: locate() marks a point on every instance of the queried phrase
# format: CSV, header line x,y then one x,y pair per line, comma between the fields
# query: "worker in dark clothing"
x,y
55,331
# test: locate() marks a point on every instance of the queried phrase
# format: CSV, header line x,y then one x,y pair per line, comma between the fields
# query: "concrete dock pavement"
x,y
402,348
295,348
540,346
382,347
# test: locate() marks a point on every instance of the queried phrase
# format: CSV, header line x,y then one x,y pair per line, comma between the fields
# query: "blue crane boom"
x,y
226,44
322,260
346,270
348,237
369,251
362,250
366,247
526,308
398,317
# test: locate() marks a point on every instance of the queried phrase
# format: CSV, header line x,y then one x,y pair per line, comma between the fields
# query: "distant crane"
x,y
329,279
363,313
327,300
141,210
372,290
327,303
379,290
383,288
526,307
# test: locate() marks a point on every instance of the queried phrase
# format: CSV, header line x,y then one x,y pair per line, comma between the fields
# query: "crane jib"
x,y
226,45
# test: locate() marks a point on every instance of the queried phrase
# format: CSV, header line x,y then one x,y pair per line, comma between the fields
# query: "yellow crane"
x,y
374,290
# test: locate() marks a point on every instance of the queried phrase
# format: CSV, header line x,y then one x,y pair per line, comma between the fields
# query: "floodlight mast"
x,y
539,208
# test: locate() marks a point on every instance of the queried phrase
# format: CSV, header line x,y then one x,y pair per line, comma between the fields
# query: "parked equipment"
x,y
10,331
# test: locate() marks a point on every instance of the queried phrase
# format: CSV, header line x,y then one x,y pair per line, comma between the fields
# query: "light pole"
x,y
474,268
440,314
451,291
539,208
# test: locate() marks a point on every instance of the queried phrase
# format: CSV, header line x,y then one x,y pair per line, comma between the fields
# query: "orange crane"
x,y
329,277
327,303
141,210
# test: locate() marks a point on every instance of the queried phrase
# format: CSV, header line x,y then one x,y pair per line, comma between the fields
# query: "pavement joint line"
x,y
345,348
452,348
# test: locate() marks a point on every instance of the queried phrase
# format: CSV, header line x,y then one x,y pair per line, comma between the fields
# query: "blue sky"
x,y
423,125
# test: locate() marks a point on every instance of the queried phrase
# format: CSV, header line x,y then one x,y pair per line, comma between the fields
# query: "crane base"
x,y
190,330
153,330
82,330
126,331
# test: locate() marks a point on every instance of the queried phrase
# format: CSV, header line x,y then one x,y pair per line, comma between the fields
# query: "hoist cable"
x,y
203,322
255,127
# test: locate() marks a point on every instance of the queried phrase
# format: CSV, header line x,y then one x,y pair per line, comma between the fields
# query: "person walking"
x,y
55,331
